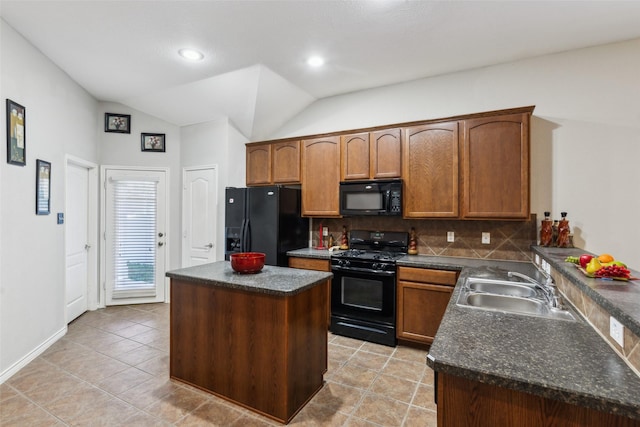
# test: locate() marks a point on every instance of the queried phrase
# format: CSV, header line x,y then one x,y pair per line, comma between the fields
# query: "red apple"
x,y
584,260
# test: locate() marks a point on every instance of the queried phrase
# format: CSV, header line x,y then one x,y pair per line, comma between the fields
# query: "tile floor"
x,y
112,369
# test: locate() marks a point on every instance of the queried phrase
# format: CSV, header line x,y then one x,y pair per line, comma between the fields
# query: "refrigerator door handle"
x,y
245,240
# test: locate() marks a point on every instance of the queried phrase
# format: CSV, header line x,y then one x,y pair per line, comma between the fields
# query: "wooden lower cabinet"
x,y
463,402
317,265
423,295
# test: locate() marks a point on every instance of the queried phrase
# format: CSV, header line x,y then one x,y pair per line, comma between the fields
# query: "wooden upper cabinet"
x,y
258,164
354,156
430,171
286,162
371,155
495,167
385,153
321,177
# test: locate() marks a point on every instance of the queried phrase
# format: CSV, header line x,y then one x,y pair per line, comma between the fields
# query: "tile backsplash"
x,y
509,240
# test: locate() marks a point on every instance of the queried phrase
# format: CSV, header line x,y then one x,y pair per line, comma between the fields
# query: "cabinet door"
x,y
385,152
321,177
354,156
421,307
258,164
495,167
430,171
318,265
286,162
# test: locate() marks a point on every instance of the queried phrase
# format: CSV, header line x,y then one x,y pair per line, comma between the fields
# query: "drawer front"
x,y
310,264
427,275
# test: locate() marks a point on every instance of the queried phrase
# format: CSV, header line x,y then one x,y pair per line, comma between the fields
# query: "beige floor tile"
x,y
124,380
112,412
211,413
176,405
347,342
142,419
427,378
20,412
382,410
377,348
156,366
317,415
149,392
367,360
59,388
402,369
418,417
338,397
424,397
394,387
251,421
133,330
354,376
354,421
340,353
6,392
139,355
411,354
74,404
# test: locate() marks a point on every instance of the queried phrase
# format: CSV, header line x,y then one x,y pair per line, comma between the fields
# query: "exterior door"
x,y
77,240
135,224
199,215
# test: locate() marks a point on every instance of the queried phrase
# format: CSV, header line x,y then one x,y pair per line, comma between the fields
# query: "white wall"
x,y
216,143
585,144
61,118
120,149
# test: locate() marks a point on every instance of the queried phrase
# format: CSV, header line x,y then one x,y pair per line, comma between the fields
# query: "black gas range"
x,y
363,289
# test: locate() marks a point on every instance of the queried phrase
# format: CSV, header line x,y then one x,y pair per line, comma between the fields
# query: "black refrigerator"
x,y
265,219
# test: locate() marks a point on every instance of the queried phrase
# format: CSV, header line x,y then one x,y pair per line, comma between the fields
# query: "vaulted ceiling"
x,y
254,71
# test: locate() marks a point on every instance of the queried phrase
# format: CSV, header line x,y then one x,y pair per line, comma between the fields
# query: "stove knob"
x,y
376,266
347,263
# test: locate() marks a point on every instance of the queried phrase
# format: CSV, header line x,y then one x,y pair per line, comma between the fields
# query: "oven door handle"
x,y
364,270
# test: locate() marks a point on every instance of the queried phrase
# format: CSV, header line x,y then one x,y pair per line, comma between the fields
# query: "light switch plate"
x,y
486,238
325,231
451,237
616,330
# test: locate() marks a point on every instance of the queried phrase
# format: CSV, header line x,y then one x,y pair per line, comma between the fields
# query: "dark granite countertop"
x,y
311,253
281,281
620,299
558,359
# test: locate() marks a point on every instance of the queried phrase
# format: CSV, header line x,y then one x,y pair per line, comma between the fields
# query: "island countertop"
x,y
271,280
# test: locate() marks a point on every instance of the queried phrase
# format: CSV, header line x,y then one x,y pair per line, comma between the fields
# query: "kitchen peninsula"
x,y
258,340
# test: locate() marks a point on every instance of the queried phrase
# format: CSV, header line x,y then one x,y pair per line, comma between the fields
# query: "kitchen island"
x,y
258,340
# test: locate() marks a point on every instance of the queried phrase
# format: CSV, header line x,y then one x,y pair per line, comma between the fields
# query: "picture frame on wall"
x,y
118,123
153,142
43,187
16,130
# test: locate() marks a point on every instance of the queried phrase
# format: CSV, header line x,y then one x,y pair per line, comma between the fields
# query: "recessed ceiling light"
x,y
315,61
191,54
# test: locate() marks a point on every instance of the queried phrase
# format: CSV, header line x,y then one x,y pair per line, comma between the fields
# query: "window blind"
x,y
134,240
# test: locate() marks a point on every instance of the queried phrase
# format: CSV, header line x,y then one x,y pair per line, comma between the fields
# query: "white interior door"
x,y
135,236
199,215
77,239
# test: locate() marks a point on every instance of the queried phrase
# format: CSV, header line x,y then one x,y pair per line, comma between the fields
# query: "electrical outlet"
x,y
325,231
486,238
616,330
451,237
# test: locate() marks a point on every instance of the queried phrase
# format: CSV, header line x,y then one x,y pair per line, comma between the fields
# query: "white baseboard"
x,y
11,370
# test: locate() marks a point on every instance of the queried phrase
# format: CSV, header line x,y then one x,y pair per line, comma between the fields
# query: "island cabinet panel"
x,y
423,295
430,171
258,164
286,162
495,167
318,265
321,177
385,156
265,352
464,402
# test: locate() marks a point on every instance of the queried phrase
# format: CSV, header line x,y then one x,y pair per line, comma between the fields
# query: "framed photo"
x,y
16,142
153,142
119,123
43,187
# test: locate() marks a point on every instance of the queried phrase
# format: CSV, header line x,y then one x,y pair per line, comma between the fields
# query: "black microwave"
x,y
379,197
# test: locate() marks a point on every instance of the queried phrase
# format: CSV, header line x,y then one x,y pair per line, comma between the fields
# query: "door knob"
x,y
160,234
210,245
87,247
160,243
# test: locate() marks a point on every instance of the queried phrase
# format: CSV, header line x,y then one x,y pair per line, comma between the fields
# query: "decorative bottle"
x,y
413,243
546,231
344,241
554,233
563,232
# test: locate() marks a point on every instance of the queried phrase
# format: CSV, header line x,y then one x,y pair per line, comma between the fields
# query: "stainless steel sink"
x,y
507,303
502,287
510,297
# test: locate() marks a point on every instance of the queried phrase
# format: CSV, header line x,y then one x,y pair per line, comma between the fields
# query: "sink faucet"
x,y
548,288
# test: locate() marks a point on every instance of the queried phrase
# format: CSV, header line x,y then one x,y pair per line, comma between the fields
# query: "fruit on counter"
x,y
593,266
613,271
584,260
572,259
619,263
605,258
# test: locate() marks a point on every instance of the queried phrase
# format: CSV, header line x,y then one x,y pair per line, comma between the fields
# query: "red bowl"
x,y
247,262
